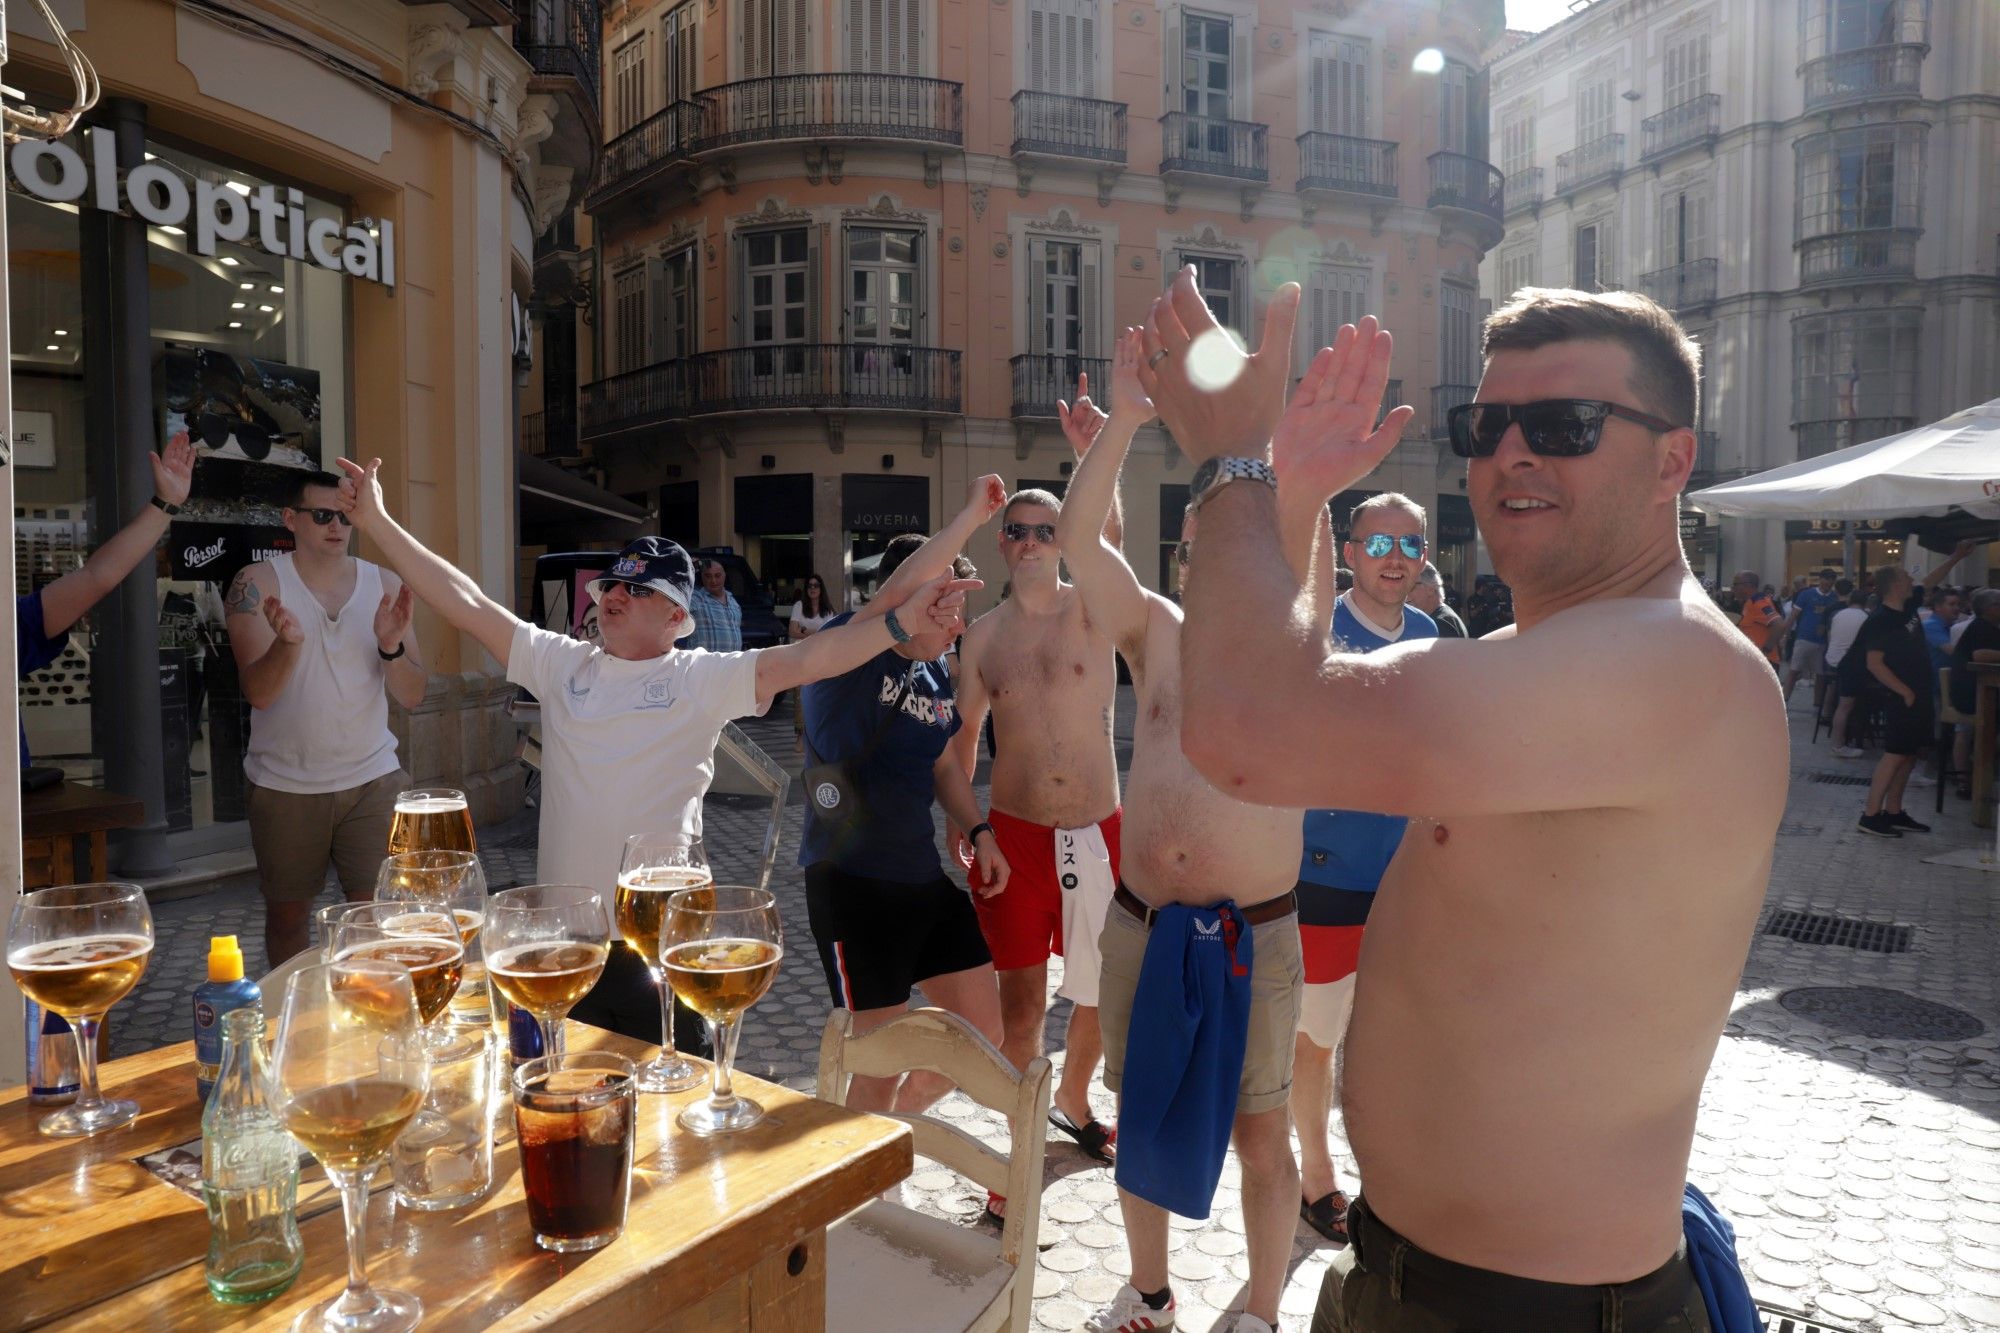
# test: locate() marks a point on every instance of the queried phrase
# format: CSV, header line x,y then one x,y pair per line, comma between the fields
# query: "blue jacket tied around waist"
x,y
1184,1056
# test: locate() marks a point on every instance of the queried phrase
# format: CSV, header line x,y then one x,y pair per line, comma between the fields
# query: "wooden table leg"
x,y
98,865
62,860
1982,752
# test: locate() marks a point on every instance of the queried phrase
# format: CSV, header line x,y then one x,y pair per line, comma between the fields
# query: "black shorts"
x,y
1852,675
878,938
1908,728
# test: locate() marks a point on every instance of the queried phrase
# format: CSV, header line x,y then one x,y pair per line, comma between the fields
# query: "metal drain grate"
x,y
1839,779
1820,928
1874,1011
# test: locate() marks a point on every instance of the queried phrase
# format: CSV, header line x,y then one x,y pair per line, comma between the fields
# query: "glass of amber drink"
x,y
545,947
77,950
431,819
348,1074
721,946
422,938
450,881
657,866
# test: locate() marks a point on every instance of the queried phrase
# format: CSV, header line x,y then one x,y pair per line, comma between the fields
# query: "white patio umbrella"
x,y
1949,464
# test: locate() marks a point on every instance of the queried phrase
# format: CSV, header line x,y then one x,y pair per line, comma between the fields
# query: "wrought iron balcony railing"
x,y
1603,158
1876,252
1871,71
551,432
1524,189
561,39
1458,181
1057,125
1342,164
651,146
1697,120
896,107
775,376
1210,146
1042,379
1679,286
1444,397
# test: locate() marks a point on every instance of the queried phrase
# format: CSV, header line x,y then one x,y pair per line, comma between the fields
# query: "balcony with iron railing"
x,y
1043,379
1858,255
551,432
1058,125
1524,189
1471,188
1194,145
655,145
869,377
1602,159
1695,121
1860,75
1342,164
1680,286
561,40
881,108
1444,397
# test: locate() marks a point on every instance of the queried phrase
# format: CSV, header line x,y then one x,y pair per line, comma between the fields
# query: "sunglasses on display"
x,y
326,516
216,431
1379,544
1553,427
1045,533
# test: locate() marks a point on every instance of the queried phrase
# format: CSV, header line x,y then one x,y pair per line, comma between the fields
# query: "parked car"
x,y
761,626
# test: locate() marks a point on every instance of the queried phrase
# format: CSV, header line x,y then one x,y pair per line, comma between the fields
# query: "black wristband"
x,y
170,510
401,648
972,835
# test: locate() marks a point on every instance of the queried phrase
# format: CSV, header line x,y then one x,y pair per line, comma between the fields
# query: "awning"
x,y
559,509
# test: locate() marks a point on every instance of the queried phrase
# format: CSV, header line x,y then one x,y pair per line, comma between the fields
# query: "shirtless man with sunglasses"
x,y
1594,795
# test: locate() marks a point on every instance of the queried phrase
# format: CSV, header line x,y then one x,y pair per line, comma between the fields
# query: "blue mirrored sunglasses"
x,y
1380,544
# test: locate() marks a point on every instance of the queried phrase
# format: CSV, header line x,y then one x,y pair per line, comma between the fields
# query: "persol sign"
x,y
211,213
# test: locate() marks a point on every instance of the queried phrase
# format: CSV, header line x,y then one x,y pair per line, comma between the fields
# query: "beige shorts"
x,y
1277,979
295,834
1327,1008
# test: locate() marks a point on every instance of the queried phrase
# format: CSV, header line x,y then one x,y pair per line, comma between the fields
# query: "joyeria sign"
x,y
208,212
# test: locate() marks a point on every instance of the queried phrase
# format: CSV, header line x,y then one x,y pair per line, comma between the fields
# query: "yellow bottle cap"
x,y
225,958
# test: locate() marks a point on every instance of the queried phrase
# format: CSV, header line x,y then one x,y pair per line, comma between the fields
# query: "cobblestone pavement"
x,y
1860,1162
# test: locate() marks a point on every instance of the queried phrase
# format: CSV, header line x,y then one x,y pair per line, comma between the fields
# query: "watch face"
x,y
1205,475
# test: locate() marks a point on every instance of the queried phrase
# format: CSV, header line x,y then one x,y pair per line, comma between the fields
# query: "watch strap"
x,y
401,648
1226,470
170,510
972,834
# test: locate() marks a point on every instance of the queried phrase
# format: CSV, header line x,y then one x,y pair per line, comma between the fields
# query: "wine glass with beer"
x,y
432,819
349,1074
545,947
657,866
721,948
422,938
76,950
446,881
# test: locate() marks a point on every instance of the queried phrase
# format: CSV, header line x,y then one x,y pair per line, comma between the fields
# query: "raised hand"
x,y
1081,423
938,604
1128,396
283,623
173,471
361,492
986,496
1216,400
1327,439
392,619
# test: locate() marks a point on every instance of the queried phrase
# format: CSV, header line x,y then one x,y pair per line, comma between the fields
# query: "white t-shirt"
x,y
1847,623
813,623
627,747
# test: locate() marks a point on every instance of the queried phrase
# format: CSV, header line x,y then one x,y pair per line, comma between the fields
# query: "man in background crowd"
x,y
718,620
1810,620
1757,616
1428,597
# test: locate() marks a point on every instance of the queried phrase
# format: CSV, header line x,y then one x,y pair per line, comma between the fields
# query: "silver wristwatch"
x,y
1216,473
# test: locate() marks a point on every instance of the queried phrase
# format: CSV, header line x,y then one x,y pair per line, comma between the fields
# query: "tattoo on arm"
x,y
244,599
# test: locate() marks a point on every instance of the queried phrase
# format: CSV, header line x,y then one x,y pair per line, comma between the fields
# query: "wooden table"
x,y
1986,679
53,818
724,1233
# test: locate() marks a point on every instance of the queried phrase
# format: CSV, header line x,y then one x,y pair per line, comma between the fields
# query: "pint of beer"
x,y
433,819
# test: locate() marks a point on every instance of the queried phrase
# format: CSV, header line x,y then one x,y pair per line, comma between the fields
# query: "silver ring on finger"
x,y
1154,360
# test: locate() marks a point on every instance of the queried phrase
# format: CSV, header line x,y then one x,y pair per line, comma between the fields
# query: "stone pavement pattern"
x,y
1863,1172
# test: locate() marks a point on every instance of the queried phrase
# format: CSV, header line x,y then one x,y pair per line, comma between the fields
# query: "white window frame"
x,y
1517,143
1684,67
1237,290
1596,109
1339,84
1065,43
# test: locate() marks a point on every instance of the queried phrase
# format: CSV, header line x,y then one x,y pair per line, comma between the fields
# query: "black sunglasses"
x,y
1045,533
1553,427
325,516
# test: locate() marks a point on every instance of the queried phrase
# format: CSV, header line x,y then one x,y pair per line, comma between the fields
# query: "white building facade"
x,y
1812,185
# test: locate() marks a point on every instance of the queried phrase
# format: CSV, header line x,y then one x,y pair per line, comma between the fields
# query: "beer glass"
x,y
431,819
349,1072
545,948
722,946
574,1121
77,950
656,866
447,881
326,925
423,939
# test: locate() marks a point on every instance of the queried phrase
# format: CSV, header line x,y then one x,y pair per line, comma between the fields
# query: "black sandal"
x,y
1095,1140
988,1220
1327,1215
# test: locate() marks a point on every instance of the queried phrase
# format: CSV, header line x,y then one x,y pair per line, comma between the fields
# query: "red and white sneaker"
x,y
1129,1313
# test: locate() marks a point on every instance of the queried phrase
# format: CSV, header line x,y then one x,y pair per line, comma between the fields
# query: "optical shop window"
x,y
248,351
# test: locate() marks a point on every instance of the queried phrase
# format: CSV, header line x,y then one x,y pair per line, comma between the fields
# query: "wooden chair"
x,y
891,1269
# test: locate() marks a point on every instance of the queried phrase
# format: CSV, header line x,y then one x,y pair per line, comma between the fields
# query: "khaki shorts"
x,y
295,834
1324,1015
1277,983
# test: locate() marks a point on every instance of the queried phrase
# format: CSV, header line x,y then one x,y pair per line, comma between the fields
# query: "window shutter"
x,y
738,324
756,38
1239,300
1038,300
792,53
1083,82
1088,342
1240,80
1175,56
1039,21
812,283
659,310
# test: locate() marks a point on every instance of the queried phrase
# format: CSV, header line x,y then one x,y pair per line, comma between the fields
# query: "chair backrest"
x,y
272,983
947,1045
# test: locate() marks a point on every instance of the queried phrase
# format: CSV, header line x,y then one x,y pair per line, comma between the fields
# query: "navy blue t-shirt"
x,y
894,839
33,647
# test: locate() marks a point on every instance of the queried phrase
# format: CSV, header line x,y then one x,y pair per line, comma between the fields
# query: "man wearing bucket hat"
x,y
629,727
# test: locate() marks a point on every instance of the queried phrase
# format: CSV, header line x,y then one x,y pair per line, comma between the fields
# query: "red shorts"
x,y
1024,924
1331,952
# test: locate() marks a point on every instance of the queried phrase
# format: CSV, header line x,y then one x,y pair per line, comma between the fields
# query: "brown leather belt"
x,y
1271,909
